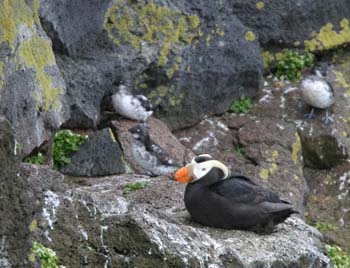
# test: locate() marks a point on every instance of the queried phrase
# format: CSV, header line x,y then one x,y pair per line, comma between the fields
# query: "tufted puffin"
x,y
317,92
216,198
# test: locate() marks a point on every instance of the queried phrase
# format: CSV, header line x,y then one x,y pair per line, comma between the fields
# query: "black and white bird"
x,y
135,107
148,154
317,92
214,197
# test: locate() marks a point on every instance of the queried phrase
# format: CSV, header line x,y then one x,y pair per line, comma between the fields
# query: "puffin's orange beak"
x,y
182,175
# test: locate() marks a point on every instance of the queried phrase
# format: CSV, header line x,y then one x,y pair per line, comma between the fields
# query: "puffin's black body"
x,y
234,203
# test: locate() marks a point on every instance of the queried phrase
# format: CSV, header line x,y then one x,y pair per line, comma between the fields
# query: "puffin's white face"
x,y
199,170
195,171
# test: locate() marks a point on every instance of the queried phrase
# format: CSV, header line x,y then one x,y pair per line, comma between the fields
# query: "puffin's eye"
x,y
203,169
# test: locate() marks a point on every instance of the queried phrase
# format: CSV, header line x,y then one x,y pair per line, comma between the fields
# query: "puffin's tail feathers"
x,y
279,211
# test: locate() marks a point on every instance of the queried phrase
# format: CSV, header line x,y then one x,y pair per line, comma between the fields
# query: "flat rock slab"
x,y
159,133
102,227
100,155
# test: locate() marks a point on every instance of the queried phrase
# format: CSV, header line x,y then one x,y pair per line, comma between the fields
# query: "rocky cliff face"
x,y
176,53
15,209
32,95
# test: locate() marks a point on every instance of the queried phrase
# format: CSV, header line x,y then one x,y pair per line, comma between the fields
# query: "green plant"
x,y
35,159
239,151
130,187
324,227
292,63
19,147
65,144
242,105
47,256
339,257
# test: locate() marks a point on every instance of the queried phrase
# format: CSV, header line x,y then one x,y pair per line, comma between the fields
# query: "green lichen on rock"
x,y
163,92
13,13
2,76
296,149
342,71
272,167
170,72
18,20
342,81
260,5
271,58
207,40
264,174
176,100
250,36
268,58
328,37
36,53
130,22
33,225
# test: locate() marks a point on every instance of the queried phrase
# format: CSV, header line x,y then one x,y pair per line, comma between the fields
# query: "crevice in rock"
x,y
57,45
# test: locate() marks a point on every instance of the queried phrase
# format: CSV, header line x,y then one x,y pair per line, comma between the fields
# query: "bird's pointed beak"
x,y
183,175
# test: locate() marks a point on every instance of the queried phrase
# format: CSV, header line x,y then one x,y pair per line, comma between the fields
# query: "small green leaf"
x,y
35,159
130,187
292,63
47,256
65,144
339,257
243,105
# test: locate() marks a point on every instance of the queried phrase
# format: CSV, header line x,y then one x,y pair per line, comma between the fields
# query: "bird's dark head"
x,y
209,170
321,69
140,132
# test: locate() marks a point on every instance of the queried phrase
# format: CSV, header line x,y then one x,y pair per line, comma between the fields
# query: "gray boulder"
x,y
278,23
15,203
191,61
32,91
321,151
150,228
316,26
327,146
100,155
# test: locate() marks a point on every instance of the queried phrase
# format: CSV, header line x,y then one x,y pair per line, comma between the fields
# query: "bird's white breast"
x,y
129,106
317,92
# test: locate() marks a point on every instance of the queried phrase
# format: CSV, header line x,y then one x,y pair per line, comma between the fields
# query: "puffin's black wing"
x,y
240,189
242,177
